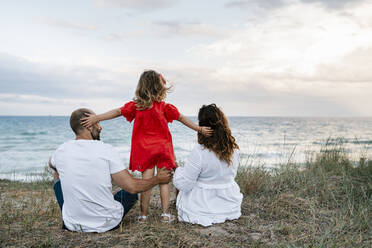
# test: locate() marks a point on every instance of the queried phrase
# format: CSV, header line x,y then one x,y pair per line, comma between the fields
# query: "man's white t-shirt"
x,y
85,168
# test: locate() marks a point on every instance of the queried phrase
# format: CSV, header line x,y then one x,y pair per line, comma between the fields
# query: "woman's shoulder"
x,y
235,159
203,153
209,155
196,152
236,152
199,148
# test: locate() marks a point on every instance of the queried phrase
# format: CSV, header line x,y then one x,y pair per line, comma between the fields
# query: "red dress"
x,y
151,139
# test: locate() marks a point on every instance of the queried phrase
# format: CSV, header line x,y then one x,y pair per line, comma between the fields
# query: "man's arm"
x,y
51,165
55,175
133,185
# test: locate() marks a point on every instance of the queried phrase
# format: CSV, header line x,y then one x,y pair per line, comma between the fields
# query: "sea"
x,y
27,142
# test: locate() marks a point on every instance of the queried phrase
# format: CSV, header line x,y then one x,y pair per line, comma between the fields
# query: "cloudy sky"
x,y
251,57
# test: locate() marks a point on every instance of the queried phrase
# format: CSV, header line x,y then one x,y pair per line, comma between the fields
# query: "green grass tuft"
x,y
325,203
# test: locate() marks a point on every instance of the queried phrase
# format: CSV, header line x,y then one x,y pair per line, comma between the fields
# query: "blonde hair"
x,y
151,87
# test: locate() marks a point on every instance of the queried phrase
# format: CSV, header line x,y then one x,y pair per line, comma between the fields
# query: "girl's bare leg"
x,y
145,196
165,197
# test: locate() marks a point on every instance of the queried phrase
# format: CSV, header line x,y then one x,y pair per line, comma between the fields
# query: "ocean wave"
x,y
361,142
340,142
28,133
283,143
27,143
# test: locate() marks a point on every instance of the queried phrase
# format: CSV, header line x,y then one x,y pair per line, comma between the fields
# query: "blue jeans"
x,y
126,199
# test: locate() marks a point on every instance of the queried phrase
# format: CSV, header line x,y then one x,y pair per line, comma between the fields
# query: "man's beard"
x,y
95,135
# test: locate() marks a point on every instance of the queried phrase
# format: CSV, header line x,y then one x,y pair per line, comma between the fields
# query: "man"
x,y
84,168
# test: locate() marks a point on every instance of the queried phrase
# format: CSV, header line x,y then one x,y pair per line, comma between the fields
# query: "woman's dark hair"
x,y
222,143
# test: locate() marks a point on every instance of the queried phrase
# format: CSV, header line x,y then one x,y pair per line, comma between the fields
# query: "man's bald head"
x,y
75,119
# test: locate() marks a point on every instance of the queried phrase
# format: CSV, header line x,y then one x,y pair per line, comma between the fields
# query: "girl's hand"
x,y
206,131
89,121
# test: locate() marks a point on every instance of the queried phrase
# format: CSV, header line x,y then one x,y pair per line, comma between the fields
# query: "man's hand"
x,y
55,174
51,165
134,185
164,175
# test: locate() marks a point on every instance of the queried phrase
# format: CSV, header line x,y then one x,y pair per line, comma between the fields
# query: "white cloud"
x,y
143,5
67,24
116,36
24,104
301,57
298,50
296,41
244,4
31,99
24,77
191,28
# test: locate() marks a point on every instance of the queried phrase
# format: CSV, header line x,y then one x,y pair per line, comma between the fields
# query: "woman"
x,y
208,193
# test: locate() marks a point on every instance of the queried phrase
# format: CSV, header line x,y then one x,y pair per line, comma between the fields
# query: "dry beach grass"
x,y
327,203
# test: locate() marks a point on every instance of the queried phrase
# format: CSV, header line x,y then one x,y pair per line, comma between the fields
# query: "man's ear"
x,y
90,129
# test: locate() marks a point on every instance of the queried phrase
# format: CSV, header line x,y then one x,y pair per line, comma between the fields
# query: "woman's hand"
x,y
206,131
89,121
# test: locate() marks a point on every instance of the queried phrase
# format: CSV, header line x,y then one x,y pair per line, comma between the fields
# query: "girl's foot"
x,y
141,219
167,218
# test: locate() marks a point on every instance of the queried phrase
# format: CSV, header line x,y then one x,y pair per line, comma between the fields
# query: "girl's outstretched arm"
x,y
92,119
206,131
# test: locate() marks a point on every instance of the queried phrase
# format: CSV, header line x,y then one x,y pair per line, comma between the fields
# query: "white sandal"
x,y
141,218
169,216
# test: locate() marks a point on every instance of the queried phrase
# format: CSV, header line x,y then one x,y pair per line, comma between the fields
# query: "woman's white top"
x,y
208,193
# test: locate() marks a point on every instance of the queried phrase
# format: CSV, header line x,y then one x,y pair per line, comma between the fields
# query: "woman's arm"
x,y
206,131
92,119
186,177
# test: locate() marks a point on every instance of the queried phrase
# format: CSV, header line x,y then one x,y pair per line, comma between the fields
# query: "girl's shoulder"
x,y
129,110
165,106
171,112
163,103
130,103
130,106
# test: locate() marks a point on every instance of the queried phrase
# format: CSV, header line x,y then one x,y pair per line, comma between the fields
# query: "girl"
x,y
151,139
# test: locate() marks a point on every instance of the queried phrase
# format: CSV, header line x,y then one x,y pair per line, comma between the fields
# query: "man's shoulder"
x,y
96,146
105,145
84,143
63,145
105,148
